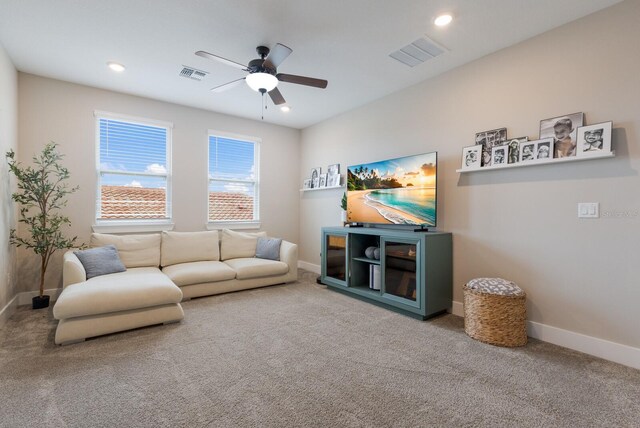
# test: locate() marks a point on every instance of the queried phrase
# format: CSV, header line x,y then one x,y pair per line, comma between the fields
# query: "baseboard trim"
x,y
25,297
616,352
309,266
8,310
611,351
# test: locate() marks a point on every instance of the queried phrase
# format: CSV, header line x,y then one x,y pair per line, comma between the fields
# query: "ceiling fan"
x,y
263,74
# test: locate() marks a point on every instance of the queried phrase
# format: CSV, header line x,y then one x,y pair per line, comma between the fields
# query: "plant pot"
x,y
40,302
343,216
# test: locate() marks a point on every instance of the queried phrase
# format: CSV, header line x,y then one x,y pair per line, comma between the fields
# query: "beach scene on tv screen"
x,y
394,191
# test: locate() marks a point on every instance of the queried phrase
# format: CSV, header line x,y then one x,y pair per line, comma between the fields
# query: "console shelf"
x,y
415,268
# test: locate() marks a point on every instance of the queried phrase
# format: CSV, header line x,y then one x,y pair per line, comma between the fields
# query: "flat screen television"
x,y
399,191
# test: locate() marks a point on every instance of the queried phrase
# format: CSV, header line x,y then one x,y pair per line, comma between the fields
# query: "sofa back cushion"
x,y
134,250
235,245
183,247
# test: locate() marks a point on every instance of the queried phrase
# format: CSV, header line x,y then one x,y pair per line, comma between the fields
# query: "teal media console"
x,y
413,274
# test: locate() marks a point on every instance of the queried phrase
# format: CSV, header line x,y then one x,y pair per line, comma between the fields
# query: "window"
x,y
233,179
134,173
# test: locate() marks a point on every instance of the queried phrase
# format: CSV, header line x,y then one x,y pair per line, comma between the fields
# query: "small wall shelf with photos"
x,y
562,139
319,181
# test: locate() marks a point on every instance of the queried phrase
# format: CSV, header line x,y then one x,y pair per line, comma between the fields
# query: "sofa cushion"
x,y
268,248
100,261
238,244
247,268
134,289
134,250
198,272
182,247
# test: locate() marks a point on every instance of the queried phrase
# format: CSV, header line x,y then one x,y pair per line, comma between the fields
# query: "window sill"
x,y
217,225
120,226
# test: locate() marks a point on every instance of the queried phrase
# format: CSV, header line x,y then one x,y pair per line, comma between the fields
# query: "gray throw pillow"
x,y
268,248
100,261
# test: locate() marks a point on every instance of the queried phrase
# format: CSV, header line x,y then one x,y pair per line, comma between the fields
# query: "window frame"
x,y
236,224
133,225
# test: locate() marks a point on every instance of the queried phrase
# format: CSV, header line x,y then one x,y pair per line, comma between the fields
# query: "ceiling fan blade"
x,y
227,85
278,54
302,80
208,55
276,97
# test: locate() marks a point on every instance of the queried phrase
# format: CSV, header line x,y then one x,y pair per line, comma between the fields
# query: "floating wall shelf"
x,y
537,162
322,188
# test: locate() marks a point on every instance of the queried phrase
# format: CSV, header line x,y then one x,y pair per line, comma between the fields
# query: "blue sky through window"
x,y
134,148
231,160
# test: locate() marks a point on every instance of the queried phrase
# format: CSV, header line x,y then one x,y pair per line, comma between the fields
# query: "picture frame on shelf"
x,y
306,184
488,139
315,176
323,180
563,130
514,148
333,180
333,169
594,139
527,152
499,155
471,157
544,149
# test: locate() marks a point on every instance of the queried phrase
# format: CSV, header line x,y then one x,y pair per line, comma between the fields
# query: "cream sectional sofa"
x,y
161,271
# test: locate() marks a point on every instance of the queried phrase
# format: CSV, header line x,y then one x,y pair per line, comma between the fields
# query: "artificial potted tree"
x,y
343,205
42,191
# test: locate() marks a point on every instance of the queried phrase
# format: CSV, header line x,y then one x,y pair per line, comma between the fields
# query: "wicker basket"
x,y
495,319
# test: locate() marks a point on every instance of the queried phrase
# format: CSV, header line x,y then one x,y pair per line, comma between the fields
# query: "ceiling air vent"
x,y
418,52
192,73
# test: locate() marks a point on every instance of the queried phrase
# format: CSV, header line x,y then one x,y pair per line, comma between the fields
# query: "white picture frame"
x,y
499,156
306,184
527,152
544,149
471,157
315,176
333,180
593,140
323,180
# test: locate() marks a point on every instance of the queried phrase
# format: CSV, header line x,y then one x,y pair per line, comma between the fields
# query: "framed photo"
x,y
563,130
323,180
594,139
488,139
514,148
315,176
471,157
306,184
544,149
499,155
527,152
333,180
333,169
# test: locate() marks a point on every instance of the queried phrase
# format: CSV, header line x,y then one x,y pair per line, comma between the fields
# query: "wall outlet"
x,y
589,210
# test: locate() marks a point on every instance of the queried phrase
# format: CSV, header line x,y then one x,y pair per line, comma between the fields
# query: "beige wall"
x,y
52,110
8,140
580,275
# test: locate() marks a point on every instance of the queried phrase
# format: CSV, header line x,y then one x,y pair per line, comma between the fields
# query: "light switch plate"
x,y
588,210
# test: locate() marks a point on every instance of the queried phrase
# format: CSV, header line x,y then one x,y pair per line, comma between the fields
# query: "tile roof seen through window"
x,y
123,202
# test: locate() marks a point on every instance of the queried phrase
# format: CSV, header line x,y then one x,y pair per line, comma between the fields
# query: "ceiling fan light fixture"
x,y
257,81
285,109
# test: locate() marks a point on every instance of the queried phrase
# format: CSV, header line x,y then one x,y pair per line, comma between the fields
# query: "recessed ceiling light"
x,y
443,20
115,66
285,109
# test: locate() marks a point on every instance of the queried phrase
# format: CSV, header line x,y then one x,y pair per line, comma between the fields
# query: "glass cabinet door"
x,y
335,257
401,272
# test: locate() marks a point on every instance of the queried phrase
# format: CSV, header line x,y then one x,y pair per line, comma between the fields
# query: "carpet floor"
x,y
302,355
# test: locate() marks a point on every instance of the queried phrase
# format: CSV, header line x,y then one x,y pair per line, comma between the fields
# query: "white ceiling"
x,y
346,42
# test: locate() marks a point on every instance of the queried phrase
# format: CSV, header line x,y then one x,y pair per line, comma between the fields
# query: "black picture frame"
x,y
489,139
